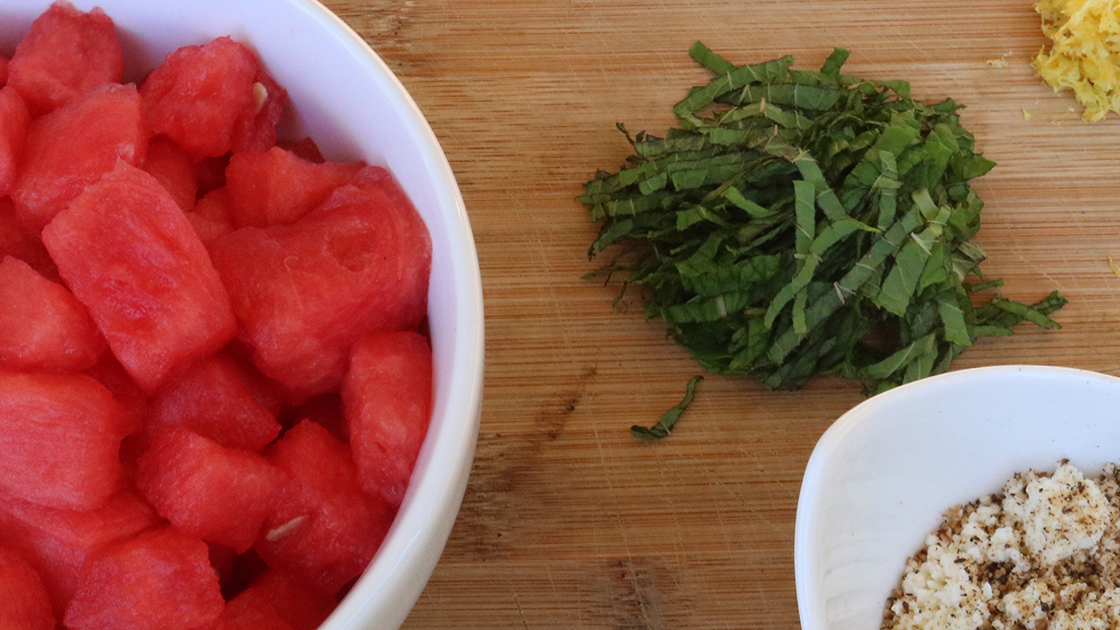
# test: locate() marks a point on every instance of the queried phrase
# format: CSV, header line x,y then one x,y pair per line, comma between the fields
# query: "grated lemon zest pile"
x,y
1085,54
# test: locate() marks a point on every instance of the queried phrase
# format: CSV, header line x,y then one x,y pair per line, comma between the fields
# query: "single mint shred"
x,y
800,223
669,420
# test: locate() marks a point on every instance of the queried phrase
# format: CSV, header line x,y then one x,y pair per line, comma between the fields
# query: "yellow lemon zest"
x,y
1085,53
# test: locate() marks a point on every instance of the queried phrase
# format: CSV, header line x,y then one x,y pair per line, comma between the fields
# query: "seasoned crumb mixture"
x,y
1044,554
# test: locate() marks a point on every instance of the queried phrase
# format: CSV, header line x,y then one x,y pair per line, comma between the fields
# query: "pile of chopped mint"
x,y
799,223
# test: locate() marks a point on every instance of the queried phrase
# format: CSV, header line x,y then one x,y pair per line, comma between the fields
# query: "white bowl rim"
x,y
807,589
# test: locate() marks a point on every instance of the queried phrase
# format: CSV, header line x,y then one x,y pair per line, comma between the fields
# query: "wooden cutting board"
x,y
568,522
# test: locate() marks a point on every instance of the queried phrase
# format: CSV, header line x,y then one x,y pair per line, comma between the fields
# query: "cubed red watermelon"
x,y
388,401
211,399
125,187
277,187
73,146
211,216
324,528
65,54
199,93
255,129
128,253
304,292
174,169
206,490
24,604
159,579
4,61
43,327
14,120
23,244
267,393
58,542
130,397
301,605
60,435
252,610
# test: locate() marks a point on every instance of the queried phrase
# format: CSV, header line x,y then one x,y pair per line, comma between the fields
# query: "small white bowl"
x,y
882,475
349,101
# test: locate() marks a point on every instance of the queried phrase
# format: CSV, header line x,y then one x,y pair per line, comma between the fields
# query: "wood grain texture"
x,y
568,522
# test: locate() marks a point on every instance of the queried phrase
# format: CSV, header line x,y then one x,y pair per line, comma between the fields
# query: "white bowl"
x,y
883,474
348,100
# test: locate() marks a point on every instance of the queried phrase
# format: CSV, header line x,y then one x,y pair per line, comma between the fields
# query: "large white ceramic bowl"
x,y
883,474
346,98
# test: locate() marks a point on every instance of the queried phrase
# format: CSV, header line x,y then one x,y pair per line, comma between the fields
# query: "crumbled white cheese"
x,y
1044,554
1024,606
1059,515
944,595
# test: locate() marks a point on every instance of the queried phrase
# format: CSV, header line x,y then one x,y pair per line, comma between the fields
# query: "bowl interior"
x,y
347,100
880,478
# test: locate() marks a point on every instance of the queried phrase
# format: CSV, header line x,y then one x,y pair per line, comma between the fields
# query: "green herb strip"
x,y
669,420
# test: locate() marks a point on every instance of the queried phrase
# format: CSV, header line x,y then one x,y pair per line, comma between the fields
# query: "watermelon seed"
x,y
287,528
260,95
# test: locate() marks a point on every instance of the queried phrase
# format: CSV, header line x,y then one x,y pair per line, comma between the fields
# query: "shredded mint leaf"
x,y
805,222
709,59
1026,312
669,420
834,62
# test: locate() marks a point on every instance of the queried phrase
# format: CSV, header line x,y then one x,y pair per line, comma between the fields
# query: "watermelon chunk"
x,y
252,610
199,93
324,529
174,169
267,393
43,327
128,253
24,604
387,396
59,542
305,292
211,216
65,54
215,493
216,206
255,129
4,61
72,147
131,399
276,187
211,398
14,120
22,244
299,604
60,435
158,579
